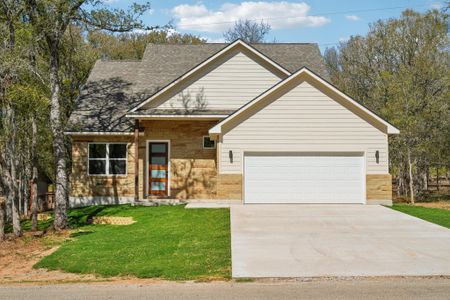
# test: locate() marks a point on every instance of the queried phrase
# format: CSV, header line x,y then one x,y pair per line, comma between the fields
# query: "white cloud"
x,y
281,14
353,18
343,39
110,1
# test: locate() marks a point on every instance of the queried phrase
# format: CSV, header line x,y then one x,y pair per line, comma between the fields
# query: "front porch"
x,y
173,162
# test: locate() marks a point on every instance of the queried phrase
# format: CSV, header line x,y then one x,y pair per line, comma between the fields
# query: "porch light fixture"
x,y
377,156
230,155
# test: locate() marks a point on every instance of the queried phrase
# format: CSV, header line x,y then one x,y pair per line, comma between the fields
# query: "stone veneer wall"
x,y
379,188
193,170
229,186
83,185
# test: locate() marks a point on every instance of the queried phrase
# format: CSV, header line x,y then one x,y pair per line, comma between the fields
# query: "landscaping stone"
x,y
113,220
44,216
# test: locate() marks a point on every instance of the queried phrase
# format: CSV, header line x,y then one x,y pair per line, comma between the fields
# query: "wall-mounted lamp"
x,y
377,156
230,155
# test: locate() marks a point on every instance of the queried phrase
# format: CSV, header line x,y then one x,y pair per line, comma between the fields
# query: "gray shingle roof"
x,y
114,87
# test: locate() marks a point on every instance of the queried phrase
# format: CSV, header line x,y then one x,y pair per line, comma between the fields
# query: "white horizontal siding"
x,y
230,85
304,120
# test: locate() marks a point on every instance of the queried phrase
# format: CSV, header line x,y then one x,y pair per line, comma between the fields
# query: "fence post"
x,y
437,177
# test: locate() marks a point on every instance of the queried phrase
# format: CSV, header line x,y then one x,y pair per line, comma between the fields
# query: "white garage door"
x,y
305,178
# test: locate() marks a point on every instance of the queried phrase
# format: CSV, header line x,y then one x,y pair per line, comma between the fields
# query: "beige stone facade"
x,y
378,188
193,170
229,186
84,185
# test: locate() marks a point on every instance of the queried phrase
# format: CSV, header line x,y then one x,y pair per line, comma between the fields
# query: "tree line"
x,y
400,70
47,49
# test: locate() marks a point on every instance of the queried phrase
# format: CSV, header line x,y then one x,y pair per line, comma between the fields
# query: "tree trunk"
x,y
20,194
10,157
10,171
411,178
2,218
437,177
59,144
26,177
34,175
13,193
13,199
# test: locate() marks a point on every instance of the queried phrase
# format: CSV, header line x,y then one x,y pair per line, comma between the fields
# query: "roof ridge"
x,y
224,43
287,43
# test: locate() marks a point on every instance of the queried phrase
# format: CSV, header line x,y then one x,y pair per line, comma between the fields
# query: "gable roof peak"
x,y
390,129
277,68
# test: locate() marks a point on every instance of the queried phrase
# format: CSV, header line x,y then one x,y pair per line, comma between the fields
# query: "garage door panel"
x,y
306,161
287,174
303,178
304,187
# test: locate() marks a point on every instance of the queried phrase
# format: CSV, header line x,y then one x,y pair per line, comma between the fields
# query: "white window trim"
x,y
107,159
146,178
208,148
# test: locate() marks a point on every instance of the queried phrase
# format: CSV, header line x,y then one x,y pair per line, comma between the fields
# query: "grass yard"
x,y
167,242
433,215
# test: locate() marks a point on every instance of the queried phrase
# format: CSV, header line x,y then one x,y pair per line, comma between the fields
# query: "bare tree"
x,y
248,31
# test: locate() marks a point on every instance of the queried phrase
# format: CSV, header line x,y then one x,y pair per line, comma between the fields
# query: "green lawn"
x,y
167,242
433,215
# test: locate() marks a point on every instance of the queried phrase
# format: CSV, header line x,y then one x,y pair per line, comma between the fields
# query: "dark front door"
x,y
158,168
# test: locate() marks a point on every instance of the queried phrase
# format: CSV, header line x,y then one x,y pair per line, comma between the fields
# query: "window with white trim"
x,y
208,143
107,159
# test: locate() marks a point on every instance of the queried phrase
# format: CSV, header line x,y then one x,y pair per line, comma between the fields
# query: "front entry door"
x,y
158,168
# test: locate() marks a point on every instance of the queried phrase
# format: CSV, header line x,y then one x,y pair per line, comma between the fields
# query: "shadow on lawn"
x,y
77,217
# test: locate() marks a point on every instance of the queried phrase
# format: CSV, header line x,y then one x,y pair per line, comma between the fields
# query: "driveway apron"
x,y
335,240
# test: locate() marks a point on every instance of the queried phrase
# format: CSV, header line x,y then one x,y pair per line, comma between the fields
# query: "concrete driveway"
x,y
335,240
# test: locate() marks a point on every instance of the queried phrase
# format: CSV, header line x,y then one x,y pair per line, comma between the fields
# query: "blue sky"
x,y
325,22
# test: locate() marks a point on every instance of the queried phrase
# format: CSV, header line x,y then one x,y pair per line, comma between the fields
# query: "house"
x,y
254,123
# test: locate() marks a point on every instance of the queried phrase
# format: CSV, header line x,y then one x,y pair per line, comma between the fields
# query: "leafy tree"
x,y
400,69
248,31
132,45
50,20
10,66
47,50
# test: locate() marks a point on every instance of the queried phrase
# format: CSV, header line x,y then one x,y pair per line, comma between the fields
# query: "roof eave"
x,y
393,130
178,117
75,133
